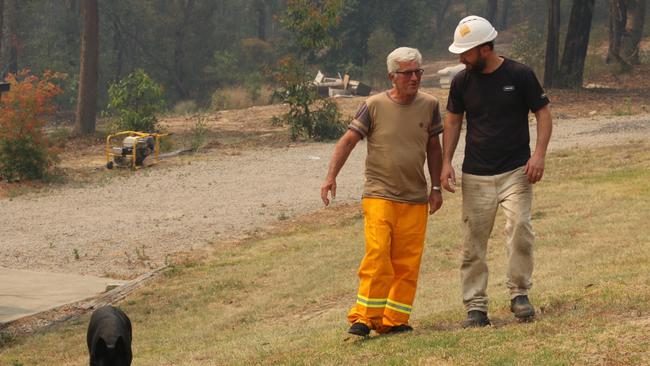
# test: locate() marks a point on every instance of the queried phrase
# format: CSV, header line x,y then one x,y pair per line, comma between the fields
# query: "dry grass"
x,y
238,97
283,299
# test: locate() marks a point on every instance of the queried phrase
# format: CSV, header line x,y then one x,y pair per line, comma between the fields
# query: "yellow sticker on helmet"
x,y
464,30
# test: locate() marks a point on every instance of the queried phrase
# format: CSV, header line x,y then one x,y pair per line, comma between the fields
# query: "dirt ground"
x,y
248,179
123,224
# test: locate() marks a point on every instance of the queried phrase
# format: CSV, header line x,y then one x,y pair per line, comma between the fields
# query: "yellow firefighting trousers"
x,y
388,273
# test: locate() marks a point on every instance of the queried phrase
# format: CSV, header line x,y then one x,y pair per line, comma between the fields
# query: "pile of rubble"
x,y
340,87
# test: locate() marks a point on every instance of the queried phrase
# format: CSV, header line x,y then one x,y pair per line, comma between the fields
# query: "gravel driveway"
x,y
130,225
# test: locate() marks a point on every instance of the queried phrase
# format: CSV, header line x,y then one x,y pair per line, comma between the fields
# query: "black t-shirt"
x,y
496,107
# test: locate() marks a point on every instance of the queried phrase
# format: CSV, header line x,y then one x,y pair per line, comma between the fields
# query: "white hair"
x,y
402,54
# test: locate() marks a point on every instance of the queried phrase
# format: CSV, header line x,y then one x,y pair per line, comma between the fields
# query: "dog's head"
x,y
117,355
109,338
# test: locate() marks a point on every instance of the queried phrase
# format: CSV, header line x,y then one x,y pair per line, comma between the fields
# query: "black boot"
x,y
359,329
521,307
400,328
476,319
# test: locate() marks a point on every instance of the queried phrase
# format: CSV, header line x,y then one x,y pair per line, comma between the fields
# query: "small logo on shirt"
x,y
508,88
543,95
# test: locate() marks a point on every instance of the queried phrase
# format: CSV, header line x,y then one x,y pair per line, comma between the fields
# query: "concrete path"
x,y
24,293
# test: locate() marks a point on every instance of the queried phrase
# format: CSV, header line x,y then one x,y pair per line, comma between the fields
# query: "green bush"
x,y
23,158
328,124
134,101
305,118
24,150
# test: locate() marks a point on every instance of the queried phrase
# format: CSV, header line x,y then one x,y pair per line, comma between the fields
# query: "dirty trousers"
x,y
482,195
388,273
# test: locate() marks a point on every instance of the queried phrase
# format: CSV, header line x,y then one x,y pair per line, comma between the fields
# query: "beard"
x,y
478,66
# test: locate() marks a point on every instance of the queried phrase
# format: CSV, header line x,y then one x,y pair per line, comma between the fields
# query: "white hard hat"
x,y
471,32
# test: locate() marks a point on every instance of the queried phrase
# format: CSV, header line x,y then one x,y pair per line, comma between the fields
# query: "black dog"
x,y
109,338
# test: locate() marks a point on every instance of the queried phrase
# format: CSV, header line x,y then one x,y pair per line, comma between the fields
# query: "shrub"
x,y
328,124
134,100
24,152
304,117
199,134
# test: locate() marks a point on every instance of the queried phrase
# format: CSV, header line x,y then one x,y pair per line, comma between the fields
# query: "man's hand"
x,y
535,168
435,201
448,177
328,185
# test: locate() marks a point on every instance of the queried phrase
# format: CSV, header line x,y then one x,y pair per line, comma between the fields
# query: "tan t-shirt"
x,y
397,145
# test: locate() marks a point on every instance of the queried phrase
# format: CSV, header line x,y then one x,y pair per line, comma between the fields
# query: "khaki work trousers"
x,y
482,195
388,273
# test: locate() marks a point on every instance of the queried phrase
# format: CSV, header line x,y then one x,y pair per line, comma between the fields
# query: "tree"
x,y
2,18
503,17
636,10
617,20
575,45
89,69
440,7
311,25
12,30
552,43
491,11
262,14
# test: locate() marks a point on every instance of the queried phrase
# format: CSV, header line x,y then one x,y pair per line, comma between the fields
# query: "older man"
x,y
402,127
495,94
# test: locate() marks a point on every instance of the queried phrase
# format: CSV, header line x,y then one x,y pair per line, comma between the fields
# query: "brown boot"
x,y
476,319
521,307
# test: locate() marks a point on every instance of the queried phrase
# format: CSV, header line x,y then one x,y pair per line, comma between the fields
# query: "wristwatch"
x,y
436,188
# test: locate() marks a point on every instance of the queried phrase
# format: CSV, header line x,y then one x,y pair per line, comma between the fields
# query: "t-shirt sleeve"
x,y
455,101
533,92
436,126
362,121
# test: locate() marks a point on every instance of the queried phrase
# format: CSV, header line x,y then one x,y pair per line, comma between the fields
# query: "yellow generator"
x,y
128,149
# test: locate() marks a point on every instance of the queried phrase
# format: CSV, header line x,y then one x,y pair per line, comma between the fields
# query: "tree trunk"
x,y
12,30
179,50
441,12
575,45
617,20
2,34
503,22
633,31
491,13
118,47
262,14
552,43
89,66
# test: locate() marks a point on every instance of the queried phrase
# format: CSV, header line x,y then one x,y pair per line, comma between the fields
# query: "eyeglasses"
x,y
409,73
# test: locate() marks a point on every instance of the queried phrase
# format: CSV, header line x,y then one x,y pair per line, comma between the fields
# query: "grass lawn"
x,y
283,299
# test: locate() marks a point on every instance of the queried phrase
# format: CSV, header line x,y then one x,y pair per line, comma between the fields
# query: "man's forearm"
x,y
339,157
434,160
450,136
544,130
